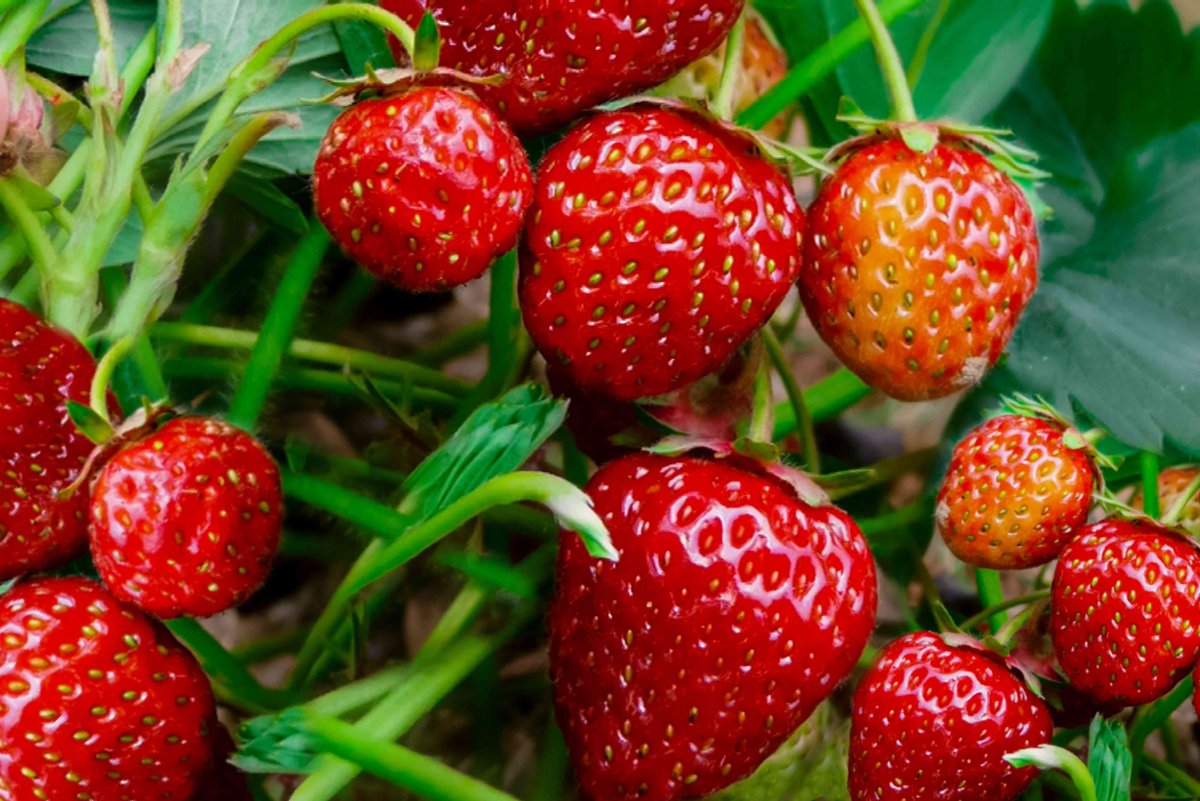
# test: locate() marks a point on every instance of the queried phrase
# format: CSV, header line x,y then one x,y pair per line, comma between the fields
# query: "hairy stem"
x,y
889,61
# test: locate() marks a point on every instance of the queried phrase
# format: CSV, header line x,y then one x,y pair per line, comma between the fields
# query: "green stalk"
x,y
825,400
762,418
421,775
257,72
988,614
503,327
45,256
377,562
230,675
802,415
735,45
381,520
1155,715
427,682
991,595
820,63
459,343
19,25
907,515
278,328
319,352
1150,503
903,109
98,397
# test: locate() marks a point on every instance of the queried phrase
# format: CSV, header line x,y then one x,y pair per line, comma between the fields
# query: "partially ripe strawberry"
x,y
98,702
1125,611
41,368
735,609
933,722
657,244
187,520
1014,494
424,189
558,58
918,266
1172,483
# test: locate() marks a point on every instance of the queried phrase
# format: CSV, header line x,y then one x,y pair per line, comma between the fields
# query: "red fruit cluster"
x,y
735,609
555,60
96,700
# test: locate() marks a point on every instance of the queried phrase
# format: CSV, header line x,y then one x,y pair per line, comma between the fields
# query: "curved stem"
x,y
804,421
241,687
731,70
991,595
1010,603
256,72
98,397
825,399
19,25
889,61
1175,513
41,248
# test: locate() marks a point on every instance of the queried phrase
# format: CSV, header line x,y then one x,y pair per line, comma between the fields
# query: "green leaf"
x,y
276,744
427,49
363,44
496,439
235,29
1113,330
67,44
93,426
1109,759
36,196
266,198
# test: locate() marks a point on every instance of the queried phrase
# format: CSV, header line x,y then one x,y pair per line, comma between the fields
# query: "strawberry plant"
x,y
547,400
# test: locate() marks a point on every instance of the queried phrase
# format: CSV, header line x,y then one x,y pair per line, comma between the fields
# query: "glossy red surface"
x,y
96,699
657,244
735,609
918,266
934,723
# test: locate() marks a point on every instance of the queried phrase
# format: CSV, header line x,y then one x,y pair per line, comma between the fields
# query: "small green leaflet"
x,y
1109,760
496,439
276,744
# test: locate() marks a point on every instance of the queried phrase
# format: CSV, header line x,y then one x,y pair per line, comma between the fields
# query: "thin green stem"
x,y
319,352
731,70
1179,780
240,687
381,520
1155,715
825,400
1150,501
45,256
506,339
907,515
889,62
988,614
917,65
257,72
820,63
98,397
991,595
18,26
421,775
278,328
805,427
1175,513
762,418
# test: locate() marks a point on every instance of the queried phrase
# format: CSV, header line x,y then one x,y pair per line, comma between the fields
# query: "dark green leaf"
x,y
496,439
363,44
93,426
67,44
427,48
1109,759
276,744
265,198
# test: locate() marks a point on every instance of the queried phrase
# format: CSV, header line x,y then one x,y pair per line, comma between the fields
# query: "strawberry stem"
x,y
98,397
903,109
1175,513
762,416
731,70
1151,717
991,594
820,63
974,621
1150,502
1053,757
825,399
19,25
805,426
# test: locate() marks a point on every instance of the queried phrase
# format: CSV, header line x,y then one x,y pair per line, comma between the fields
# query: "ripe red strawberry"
x,y
1172,483
424,189
1125,610
560,57
41,368
1014,494
934,722
918,266
734,610
657,244
186,521
98,701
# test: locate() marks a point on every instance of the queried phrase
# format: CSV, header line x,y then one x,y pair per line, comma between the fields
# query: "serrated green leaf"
x,y
1109,760
67,44
496,439
276,744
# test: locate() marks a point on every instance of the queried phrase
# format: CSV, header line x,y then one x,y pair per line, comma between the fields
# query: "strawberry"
x,y
186,520
41,368
657,244
560,57
1125,610
1172,483
934,722
424,189
734,611
222,781
99,702
1014,493
918,266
